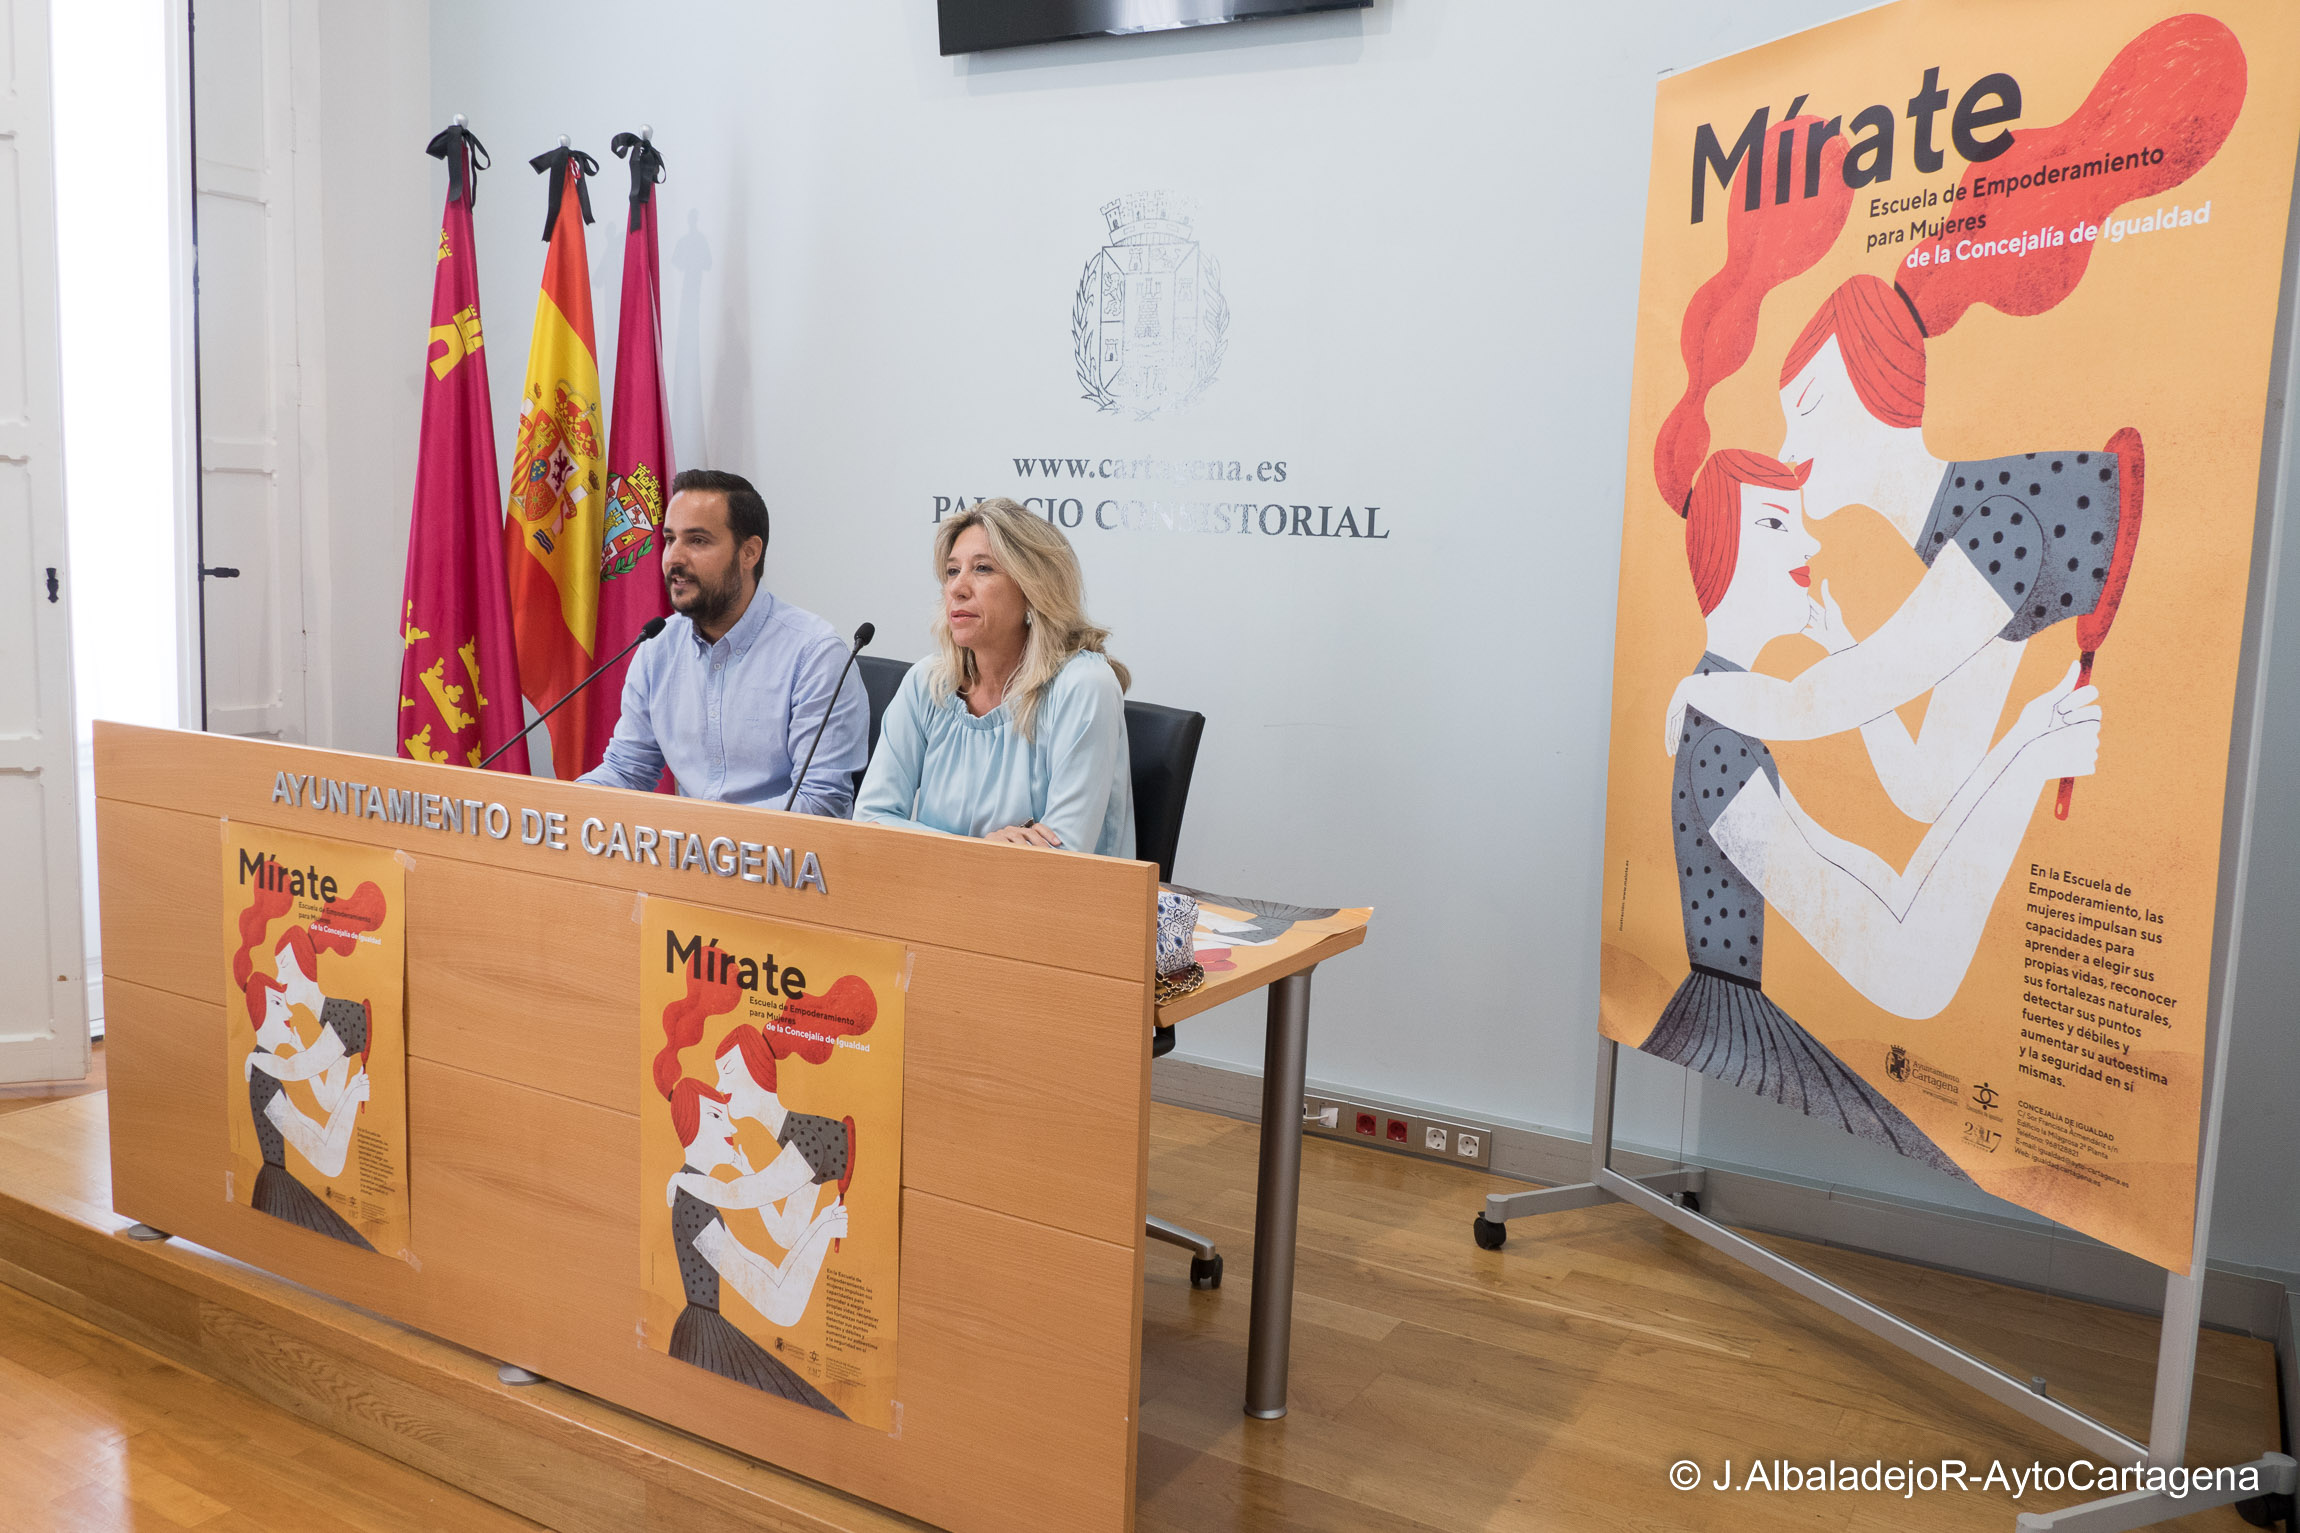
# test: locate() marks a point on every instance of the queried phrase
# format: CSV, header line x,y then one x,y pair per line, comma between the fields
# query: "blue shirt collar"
x,y
745,633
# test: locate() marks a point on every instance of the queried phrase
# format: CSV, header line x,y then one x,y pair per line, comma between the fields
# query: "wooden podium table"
x,y
1026,1090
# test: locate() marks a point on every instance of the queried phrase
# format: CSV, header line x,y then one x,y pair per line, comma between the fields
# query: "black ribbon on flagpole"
x,y
646,169
552,162
462,168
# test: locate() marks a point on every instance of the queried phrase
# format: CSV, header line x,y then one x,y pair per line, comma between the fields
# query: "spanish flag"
x,y
551,534
458,674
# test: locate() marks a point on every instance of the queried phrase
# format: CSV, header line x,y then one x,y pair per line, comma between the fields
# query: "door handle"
x,y
51,582
218,572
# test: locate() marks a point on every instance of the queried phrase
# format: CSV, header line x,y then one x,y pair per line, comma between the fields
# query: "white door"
x,y
43,1008
244,179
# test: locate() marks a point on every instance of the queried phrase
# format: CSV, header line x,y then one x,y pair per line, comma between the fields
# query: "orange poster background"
x,y
370,1189
843,1344
2168,331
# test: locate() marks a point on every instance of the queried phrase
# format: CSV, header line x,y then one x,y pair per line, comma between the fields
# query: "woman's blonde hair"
x,y
1040,560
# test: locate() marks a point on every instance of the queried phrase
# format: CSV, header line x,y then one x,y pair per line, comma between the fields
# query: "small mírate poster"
x,y
315,1078
770,1125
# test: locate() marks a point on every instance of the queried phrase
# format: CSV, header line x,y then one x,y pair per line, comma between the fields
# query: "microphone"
x,y
654,627
863,636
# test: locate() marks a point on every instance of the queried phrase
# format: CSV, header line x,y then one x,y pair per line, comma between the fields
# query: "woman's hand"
x,y
834,1219
2071,751
1028,833
1825,624
1674,725
2059,730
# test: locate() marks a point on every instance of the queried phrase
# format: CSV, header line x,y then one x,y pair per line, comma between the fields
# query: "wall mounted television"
x,y
973,26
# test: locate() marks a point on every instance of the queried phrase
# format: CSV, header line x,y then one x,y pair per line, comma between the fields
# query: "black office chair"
x,y
1162,751
881,679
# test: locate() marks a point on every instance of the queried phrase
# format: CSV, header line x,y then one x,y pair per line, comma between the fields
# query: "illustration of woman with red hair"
x,y
816,1151
1743,843
2012,544
338,1088
708,1251
343,1030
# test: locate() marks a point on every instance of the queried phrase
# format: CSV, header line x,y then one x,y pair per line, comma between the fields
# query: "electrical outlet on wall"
x,y
1400,1129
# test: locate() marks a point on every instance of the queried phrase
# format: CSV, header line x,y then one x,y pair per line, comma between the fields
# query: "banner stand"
x,y
1675,1196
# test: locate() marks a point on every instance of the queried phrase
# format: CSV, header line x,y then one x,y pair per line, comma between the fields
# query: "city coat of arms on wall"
x,y
1149,325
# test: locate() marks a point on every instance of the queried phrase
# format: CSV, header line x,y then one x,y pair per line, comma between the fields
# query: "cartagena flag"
x,y
551,532
638,454
458,672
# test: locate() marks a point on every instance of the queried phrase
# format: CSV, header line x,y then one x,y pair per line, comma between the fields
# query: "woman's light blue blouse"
x,y
941,768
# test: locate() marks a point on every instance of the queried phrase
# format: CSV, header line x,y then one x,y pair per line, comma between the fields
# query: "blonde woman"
x,y
1016,729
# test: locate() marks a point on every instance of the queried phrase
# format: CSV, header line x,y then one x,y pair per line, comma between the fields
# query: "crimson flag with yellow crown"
x,y
552,532
638,453
459,673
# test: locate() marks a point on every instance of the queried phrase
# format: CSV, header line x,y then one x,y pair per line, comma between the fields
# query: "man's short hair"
x,y
746,508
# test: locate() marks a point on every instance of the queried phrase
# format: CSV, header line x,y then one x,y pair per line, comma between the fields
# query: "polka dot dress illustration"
x,y
2039,527
277,1192
708,1339
1720,1022
823,1141
349,1020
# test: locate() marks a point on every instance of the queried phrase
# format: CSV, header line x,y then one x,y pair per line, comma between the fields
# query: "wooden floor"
x,y
98,1434
1549,1385
17,1098
1552,1383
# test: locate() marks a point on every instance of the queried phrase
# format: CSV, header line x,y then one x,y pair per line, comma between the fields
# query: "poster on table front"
x,y
315,1068
770,1123
1952,357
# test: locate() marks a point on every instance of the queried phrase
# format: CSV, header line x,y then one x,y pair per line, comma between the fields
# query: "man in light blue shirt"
x,y
730,693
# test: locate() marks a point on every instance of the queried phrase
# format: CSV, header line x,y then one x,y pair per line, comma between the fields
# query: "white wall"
x,y
1426,220
378,232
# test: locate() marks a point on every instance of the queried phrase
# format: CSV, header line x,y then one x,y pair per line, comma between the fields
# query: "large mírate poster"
x,y
1952,358
770,1126
316,1047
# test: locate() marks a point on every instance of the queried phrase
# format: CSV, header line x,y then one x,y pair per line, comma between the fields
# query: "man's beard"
x,y
708,603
